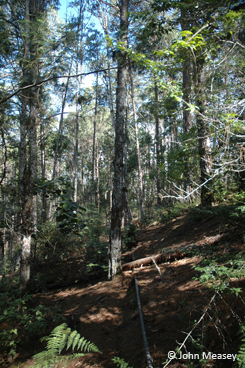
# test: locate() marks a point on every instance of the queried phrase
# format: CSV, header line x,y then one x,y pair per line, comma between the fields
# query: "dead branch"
x,y
158,258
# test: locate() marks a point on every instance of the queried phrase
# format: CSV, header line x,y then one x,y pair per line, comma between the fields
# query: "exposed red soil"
x,y
106,313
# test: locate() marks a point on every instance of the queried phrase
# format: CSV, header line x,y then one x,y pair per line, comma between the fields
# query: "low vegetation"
x,y
81,258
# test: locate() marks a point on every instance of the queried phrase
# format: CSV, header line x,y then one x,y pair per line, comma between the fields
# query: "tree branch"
x,y
38,84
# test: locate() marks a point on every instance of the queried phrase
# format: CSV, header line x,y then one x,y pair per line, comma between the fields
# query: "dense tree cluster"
x,y
160,120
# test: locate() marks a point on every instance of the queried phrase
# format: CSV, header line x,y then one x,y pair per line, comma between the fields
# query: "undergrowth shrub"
x,y
218,276
10,262
221,269
20,321
217,271
172,211
129,233
95,238
51,243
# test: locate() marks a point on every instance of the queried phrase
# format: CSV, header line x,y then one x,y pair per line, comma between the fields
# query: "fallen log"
x,y
158,258
141,262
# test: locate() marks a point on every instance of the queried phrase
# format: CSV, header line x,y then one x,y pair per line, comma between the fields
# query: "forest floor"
x,y
106,313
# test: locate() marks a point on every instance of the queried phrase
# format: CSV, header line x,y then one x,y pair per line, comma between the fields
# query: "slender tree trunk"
x,y
127,213
83,200
186,87
43,170
140,176
114,251
79,61
3,232
2,183
28,168
94,138
60,130
204,144
105,27
75,159
97,176
157,141
187,120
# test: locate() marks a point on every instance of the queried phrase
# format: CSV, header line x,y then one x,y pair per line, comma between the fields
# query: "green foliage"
x,y
52,244
129,234
94,226
218,276
197,214
95,239
20,321
120,362
60,338
64,144
241,352
8,264
68,213
170,211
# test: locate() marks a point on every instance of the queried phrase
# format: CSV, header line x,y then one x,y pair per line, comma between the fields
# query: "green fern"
x,y
62,337
120,362
241,353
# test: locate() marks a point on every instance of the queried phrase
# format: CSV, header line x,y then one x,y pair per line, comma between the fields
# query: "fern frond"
x,y
241,352
74,336
58,337
62,337
120,362
88,346
76,341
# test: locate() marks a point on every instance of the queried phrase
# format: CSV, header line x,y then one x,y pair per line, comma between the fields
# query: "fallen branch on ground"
x,y
158,258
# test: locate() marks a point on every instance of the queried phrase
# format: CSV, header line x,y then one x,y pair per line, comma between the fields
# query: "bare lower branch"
x,y
193,328
38,84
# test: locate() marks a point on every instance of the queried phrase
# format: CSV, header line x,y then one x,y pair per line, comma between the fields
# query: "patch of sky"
x,y
67,11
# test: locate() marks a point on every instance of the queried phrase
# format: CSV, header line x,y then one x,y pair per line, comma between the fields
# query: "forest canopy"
x,y
159,121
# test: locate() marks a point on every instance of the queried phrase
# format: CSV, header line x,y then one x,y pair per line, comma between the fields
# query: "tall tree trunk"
x,y
82,174
28,214
97,176
187,120
43,170
204,145
157,141
60,130
28,168
140,176
78,87
114,251
94,138
75,158
127,213
105,26
186,88
3,232
4,170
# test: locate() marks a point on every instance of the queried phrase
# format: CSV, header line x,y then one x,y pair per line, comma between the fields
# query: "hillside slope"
x,y
106,313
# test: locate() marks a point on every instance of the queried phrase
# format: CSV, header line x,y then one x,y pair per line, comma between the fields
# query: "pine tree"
x,y
114,251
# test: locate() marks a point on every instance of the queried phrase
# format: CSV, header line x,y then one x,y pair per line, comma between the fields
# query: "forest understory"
x,y
106,312
122,130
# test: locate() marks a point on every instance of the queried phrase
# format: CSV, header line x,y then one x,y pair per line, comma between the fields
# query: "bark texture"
x,y
28,143
114,251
